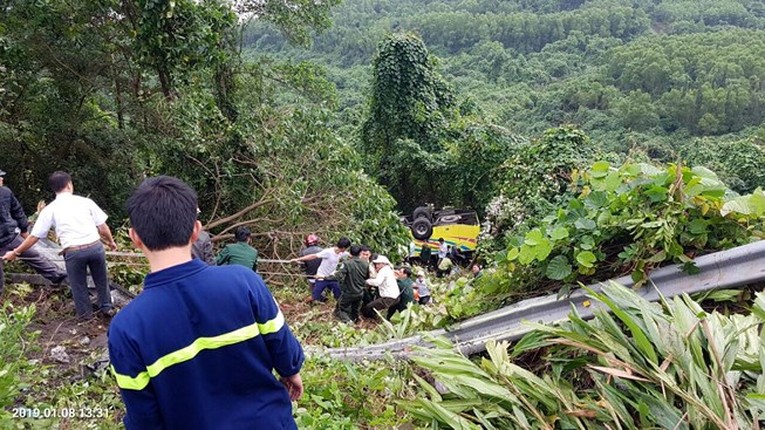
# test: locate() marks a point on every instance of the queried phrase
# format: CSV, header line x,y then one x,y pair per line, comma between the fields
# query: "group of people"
x,y
447,260
361,283
179,349
81,229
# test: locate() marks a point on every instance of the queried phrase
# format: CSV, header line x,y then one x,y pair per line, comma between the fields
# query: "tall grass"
x,y
642,365
15,340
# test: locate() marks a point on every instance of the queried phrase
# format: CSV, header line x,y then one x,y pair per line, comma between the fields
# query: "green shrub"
x,y
15,340
621,220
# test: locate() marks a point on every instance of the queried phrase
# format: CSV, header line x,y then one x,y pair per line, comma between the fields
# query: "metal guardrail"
x,y
726,269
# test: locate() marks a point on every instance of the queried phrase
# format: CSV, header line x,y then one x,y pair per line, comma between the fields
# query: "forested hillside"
x,y
656,73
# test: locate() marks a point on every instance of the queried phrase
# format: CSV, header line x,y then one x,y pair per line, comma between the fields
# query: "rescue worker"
x,y
325,273
405,286
80,225
425,255
241,252
310,267
387,286
202,248
198,347
422,292
352,276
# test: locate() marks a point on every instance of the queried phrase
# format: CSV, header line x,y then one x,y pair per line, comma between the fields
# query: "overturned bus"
x,y
458,227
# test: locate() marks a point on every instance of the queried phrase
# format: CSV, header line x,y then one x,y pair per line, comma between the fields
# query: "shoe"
x,y
60,282
84,318
107,312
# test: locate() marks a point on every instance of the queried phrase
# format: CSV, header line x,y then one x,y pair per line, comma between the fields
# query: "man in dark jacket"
x,y
352,276
13,229
241,252
405,285
425,255
310,267
202,248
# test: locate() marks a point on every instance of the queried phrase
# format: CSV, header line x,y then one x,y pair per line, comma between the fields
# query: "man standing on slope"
x,y
79,225
325,274
197,348
352,276
311,267
13,231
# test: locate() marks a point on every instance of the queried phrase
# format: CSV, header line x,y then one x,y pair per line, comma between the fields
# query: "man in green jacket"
x,y
241,252
405,285
352,276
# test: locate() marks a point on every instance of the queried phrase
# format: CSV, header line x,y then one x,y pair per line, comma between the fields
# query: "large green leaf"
x,y
752,204
559,233
586,259
558,268
534,237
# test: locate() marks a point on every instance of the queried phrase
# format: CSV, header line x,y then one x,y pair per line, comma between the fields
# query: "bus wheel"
x,y
422,229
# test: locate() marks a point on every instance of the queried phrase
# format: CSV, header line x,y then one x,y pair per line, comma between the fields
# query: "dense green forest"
x,y
647,75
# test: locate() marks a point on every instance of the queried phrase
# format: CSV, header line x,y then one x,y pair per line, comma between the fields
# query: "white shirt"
x,y
442,250
329,260
75,219
386,282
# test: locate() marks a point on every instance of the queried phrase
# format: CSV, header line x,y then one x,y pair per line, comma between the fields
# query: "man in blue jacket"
x,y
198,347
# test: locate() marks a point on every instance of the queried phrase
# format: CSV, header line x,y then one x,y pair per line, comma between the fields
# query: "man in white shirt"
x,y
325,273
79,225
385,281
443,250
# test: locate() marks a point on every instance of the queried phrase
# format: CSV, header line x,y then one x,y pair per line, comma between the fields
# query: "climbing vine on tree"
x,y
409,112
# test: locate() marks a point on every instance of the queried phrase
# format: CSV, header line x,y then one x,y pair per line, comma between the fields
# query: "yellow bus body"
x,y
464,236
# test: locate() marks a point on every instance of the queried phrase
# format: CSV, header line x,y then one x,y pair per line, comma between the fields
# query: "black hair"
x,y
242,234
163,211
407,270
440,239
58,180
344,243
363,248
355,250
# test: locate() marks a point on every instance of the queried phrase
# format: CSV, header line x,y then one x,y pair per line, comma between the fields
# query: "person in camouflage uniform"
x,y
352,276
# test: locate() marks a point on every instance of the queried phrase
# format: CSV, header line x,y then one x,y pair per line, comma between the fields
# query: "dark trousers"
x,y
77,264
400,306
325,284
378,304
34,259
348,308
